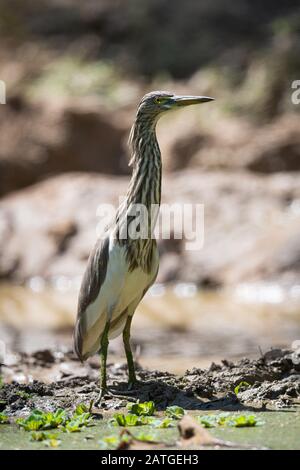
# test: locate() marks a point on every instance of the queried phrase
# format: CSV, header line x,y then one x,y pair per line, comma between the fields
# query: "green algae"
x,y
281,430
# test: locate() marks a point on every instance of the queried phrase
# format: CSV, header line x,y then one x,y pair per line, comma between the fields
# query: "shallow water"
x,y
175,327
280,430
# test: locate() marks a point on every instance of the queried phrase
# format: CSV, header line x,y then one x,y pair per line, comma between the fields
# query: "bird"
x,y
122,268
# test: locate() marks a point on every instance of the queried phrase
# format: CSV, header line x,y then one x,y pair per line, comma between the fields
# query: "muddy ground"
x,y
273,378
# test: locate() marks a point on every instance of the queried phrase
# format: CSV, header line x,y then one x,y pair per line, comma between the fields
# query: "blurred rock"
x,y
236,144
39,140
275,147
252,224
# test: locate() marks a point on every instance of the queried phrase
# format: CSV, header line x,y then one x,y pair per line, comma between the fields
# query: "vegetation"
x,y
226,419
39,420
175,412
241,387
4,419
142,409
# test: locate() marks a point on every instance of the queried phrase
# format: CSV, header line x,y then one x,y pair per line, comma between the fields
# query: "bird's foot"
x,y
102,393
105,392
132,383
129,393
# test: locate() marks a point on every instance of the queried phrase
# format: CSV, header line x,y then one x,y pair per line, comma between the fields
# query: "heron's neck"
x,y
143,193
145,184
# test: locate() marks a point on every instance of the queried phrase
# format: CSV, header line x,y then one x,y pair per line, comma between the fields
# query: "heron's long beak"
x,y
188,100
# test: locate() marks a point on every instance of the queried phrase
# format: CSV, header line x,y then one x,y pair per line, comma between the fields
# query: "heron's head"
x,y
156,103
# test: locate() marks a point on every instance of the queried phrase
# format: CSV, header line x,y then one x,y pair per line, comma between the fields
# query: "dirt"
x,y
273,382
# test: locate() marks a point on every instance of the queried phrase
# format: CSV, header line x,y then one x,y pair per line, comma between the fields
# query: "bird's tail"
x,y
86,340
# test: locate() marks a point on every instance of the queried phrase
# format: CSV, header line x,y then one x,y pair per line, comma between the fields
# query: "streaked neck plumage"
x,y
144,187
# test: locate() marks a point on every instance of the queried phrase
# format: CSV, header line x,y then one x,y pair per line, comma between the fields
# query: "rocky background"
x,y
75,72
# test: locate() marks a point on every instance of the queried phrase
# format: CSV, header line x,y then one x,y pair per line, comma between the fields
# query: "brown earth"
x,y
38,140
273,381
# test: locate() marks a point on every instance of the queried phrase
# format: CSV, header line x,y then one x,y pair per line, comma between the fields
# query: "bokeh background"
x,y
75,72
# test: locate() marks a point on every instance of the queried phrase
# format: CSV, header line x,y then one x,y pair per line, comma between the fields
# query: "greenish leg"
x,y
126,340
103,357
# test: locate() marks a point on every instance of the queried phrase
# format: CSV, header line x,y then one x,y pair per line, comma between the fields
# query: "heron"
x,y
121,269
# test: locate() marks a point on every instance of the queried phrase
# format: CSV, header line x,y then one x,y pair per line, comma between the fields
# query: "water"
x,y
175,327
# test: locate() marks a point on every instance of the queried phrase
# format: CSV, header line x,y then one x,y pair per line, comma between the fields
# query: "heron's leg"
x,y
126,340
103,357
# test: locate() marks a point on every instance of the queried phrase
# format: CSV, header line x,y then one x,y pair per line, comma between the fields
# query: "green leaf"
x,y
208,421
81,409
245,421
175,412
53,420
77,422
39,420
127,420
164,423
142,409
119,419
23,394
52,442
41,436
33,422
241,387
109,441
145,437
225,419
4,419
112,442
130,420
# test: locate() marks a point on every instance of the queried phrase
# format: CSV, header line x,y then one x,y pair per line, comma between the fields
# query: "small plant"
x,y
164,423
39,420
141,436
81,409
142,409
208,421
175,412
4,419
225,419
113,442
241,387
33,422
78,422
24,395
130,420
50,440
244,421
109,442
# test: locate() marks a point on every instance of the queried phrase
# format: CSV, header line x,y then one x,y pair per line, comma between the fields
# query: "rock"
x,y
44,356
49,229
38,140
276,147
237,144
62,233
180,140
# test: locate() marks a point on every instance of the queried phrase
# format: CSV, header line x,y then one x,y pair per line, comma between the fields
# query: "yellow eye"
x,y
158,100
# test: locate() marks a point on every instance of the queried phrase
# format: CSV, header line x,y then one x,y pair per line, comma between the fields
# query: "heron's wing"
x,y
93,279
118,324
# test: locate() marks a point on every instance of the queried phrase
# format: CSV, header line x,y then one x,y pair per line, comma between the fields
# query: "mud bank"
x,y
271,381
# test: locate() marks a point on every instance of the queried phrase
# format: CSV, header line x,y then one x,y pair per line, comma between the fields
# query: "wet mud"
x,y
270,381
